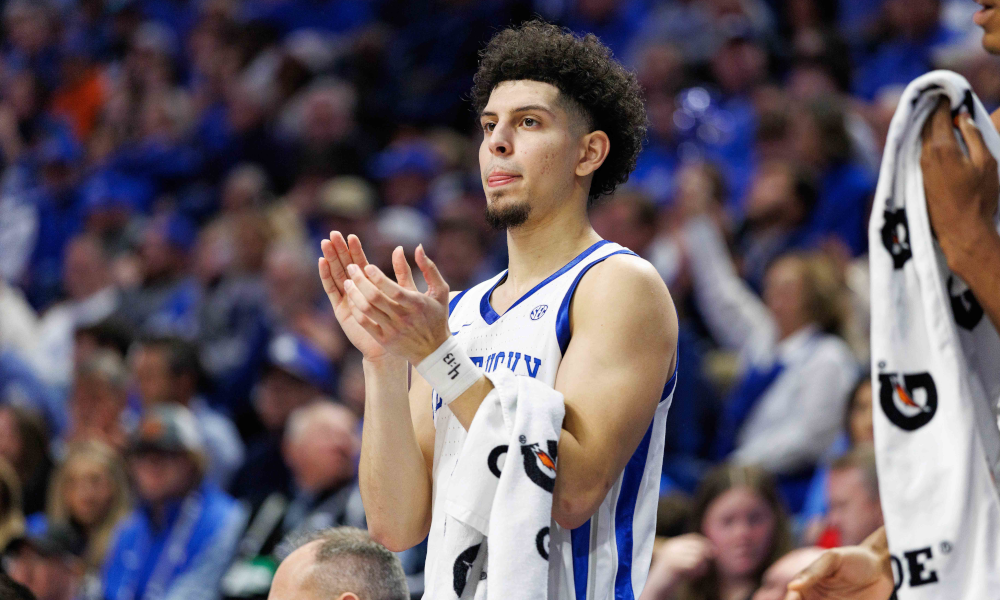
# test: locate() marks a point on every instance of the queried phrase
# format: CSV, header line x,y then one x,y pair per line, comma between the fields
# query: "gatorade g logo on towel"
x,y
896,237
967,310
493,460
909,400
542,542
462,568
539,464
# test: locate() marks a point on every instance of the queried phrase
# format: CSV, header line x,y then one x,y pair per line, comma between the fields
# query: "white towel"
x,y
500,496
935,376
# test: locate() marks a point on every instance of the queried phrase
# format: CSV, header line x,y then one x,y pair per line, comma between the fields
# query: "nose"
x,y
501,142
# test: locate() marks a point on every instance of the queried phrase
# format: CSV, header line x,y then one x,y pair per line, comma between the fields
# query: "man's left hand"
x,y
408,323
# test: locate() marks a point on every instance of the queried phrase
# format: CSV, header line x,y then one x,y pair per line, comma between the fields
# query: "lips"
x,y
498,178
983,15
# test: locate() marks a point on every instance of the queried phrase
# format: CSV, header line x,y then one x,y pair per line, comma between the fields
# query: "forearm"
x,y
733,312
394,478
975,257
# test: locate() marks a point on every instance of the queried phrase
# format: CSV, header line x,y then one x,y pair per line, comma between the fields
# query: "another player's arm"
x,y
962,196
862,572
612,376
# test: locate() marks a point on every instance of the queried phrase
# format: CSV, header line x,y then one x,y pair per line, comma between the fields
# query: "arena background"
x,y
170,166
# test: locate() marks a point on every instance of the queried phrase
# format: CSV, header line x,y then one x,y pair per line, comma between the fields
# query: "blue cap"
x,y
302,360
417,158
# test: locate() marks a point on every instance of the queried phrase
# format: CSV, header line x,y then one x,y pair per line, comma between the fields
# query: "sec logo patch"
x,y
539,311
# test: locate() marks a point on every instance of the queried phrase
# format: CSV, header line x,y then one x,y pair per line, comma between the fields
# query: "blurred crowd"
x,y
177,402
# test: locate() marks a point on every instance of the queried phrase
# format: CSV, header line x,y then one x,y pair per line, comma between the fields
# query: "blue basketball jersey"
x,y
608,557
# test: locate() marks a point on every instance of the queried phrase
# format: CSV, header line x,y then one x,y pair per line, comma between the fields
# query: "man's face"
x,y
988,17
854,511
278,395
151,370
530,151
325,453
48,578
162,476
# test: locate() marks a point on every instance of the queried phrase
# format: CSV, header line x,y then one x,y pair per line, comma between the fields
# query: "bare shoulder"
x,y
630,289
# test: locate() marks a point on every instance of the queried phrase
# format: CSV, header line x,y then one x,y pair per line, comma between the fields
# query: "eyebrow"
x,y
520,109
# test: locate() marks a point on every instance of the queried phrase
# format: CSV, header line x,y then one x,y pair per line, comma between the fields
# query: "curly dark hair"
x,y
587,75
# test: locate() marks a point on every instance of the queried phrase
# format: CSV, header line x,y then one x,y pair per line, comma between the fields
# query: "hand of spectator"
x,y
338,253
961,190
849,573
679,560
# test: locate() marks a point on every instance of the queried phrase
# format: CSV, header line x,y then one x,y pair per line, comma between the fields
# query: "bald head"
x,y
343,563
776,579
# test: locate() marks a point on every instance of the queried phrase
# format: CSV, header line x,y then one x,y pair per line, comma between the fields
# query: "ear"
x,y
594,149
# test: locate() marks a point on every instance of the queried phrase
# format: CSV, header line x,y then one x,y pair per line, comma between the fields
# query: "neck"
x,y
736,588
540,247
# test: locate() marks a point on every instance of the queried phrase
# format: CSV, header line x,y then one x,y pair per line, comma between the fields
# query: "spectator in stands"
x,y
322,445
459,252
296,374
166,301
49,564
90,298
774,585
179,540
341,563
855,510
794,370
98,400
24,444
780,204
90,495
740,531
11,515
818,138
294,299
167,371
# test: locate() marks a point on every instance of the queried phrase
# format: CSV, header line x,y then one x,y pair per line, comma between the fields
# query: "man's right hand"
x,y
850,573
338,253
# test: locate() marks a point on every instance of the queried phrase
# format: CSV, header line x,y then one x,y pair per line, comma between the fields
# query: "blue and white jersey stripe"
x,y
607,557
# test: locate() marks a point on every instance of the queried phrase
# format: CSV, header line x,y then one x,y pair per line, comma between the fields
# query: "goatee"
x,y
507,217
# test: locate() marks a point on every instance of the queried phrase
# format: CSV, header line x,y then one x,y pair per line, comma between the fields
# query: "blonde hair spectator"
x,y
90,491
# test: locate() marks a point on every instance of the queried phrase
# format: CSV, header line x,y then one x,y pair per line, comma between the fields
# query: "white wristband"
x,y
449,370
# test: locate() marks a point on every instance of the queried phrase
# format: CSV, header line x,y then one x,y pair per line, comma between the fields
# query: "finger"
x,y
340,247
978,153
404,276
823,567
373,297
360,303
329,286
366,323
392,290
337,271
938,126
436,286
357,252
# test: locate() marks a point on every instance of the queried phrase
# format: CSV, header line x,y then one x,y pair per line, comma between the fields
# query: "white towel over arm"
x,y
935,376
498,511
